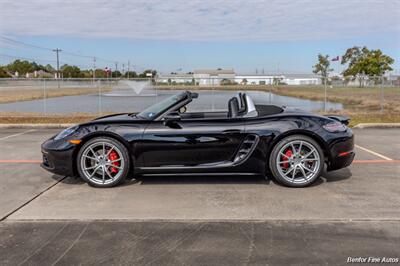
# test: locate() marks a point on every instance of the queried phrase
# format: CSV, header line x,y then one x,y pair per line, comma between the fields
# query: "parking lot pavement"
x,y
383,141
23,144
365,192
195,243
362,191
21,182
205,220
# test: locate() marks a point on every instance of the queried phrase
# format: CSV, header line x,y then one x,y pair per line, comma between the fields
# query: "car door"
x,y
191,142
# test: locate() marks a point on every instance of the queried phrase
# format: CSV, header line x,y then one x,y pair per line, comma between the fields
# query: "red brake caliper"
x,y
285,157
114,156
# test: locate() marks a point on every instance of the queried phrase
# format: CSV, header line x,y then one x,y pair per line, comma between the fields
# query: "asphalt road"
x,y
49,219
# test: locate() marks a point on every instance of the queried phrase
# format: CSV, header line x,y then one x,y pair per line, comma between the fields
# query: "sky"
x,y
265,36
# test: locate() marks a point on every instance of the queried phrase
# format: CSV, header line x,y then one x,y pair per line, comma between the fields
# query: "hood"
x,y
117,118
112,117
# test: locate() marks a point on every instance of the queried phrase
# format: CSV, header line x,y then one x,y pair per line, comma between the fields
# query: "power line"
x,y
64,52
49,49
42,60
77,55
25,44
26,58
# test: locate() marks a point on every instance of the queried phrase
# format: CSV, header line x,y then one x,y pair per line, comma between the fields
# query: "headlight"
x,y
66,132
335,127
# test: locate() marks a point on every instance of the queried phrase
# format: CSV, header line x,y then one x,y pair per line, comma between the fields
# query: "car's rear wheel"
x,y
103,162
296,161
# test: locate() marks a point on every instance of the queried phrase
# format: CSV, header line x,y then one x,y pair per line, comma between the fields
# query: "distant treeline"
x,y
20,68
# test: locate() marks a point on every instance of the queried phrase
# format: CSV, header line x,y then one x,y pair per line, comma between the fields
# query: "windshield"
x,y
160,107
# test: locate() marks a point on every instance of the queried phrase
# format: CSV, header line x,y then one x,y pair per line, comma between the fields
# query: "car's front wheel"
x,y
103,162
296,161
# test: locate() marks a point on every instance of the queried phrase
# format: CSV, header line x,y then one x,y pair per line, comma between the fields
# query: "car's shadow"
x,y
207,179
338,175
326,177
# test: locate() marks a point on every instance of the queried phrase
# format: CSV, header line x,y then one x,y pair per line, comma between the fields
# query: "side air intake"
x,y
246,148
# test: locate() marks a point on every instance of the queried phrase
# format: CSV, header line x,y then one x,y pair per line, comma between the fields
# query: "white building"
x,y
214,77
178,78
208,77
258,79
302,79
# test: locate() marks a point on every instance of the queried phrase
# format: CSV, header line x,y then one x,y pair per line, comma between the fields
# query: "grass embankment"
x,y
37,118
19,95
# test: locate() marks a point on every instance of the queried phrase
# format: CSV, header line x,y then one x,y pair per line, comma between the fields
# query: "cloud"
x,y
207,20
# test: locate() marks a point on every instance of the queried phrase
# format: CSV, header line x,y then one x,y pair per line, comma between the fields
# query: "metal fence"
x,y
47,97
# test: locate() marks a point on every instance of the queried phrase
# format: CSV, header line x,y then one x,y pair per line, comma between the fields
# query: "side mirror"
x,y
171,119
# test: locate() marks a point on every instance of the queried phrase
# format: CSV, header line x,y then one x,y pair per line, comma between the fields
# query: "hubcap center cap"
x,y
102,162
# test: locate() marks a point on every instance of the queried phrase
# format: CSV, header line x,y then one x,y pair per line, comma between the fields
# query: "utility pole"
x,y
58,62
58,66
325,107
116,69
129,64
94,69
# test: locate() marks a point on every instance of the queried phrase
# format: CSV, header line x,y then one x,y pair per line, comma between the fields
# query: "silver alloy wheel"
x,y
299,165
98,167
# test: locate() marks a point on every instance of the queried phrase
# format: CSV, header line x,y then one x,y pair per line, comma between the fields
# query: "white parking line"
x,y
18,134
374,153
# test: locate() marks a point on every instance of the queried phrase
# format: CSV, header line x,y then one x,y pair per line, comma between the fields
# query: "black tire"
x,y
124,156
275,155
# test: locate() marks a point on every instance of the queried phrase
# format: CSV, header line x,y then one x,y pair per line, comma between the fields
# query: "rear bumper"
x,y
342,151
341,162
58,157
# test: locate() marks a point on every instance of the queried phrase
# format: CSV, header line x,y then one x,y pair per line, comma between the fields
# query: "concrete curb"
x,y
377,125
35,125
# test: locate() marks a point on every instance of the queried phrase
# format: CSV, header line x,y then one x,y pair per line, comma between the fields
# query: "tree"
x,y
277,81
3,73
116,74
87,73
226,82
71,71
100,73
49,68
24,66
364,62
130,74
144,74
322,67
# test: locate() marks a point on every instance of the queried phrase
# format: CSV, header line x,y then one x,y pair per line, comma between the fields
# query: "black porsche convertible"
x,y
167,139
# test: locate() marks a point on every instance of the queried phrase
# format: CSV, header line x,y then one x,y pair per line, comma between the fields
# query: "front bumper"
x,y
342,151
58,157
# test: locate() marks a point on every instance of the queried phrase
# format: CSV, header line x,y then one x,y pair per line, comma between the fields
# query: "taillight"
x,y
335,127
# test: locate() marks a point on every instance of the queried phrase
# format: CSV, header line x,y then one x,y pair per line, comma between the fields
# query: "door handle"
x,y
231,131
